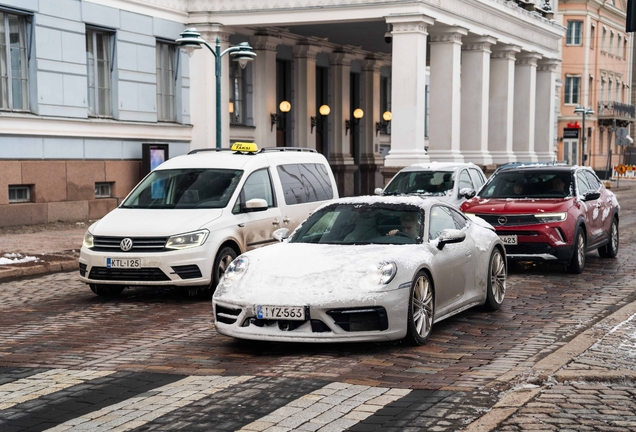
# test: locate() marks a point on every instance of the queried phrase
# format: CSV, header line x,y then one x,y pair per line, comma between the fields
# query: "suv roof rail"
x,y
212,149
282,149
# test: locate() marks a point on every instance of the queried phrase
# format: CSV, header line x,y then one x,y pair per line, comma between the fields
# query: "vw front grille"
x,y
139,244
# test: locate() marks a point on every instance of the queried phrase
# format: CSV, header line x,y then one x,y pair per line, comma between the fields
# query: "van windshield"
x,y
185,189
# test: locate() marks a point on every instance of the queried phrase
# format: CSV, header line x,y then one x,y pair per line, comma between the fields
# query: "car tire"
x,y
577,262
496,284
610,250
421,311
223,259
106,290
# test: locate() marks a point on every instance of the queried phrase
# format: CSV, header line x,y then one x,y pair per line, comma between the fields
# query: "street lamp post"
x,y
584,112
191,40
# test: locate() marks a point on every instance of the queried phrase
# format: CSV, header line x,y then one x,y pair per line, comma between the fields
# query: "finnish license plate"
x,y
509,239
295,313
123,263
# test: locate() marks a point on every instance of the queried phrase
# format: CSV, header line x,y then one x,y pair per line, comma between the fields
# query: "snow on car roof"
x,y
438,166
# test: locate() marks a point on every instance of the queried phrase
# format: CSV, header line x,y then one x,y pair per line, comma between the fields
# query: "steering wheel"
x,y
402,234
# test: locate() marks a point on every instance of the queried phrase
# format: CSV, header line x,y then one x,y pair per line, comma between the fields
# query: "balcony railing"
x,y
615,109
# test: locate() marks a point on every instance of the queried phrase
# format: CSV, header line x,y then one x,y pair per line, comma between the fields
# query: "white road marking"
x,y
335,407
137,411
44,383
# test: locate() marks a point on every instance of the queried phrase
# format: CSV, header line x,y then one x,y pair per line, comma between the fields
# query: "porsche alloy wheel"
x,y
496,288
421,309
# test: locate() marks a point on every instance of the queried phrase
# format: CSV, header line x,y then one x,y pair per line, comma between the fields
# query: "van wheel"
x,y
222,261
577,263
106,290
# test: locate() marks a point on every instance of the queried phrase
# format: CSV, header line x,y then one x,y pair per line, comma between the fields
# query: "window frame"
x,y
240,103
16,188
112,46
568,95
100,185
574,33
26,25
171,75
239,205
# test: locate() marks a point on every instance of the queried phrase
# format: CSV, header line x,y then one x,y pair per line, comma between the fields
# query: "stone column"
x,y
501,103
340,159
475,96
445,109
264,89
408,90
370,159
304,95
203,100
544,130
525,106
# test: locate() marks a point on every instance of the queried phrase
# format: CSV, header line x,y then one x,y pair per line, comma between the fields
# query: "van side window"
x,y
305,183
257,185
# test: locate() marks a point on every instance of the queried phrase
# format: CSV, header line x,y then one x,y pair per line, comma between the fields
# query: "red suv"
x,y
553,213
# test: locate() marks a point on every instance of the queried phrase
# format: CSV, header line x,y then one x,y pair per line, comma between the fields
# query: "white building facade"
x,y
92,83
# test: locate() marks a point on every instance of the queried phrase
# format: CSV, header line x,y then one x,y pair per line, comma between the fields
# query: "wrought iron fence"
x,y
615,109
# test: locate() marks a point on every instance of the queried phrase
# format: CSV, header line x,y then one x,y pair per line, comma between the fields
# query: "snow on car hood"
x,y
311,274
153,223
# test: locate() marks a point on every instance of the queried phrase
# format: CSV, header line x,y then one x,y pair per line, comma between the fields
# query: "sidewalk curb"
x,y
549,367
11,273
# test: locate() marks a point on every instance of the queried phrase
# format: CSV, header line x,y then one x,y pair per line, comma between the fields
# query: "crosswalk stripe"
x,y
135,412
44,383
336,406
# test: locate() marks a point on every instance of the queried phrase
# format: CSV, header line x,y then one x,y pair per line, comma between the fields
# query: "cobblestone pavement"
x,y
559,354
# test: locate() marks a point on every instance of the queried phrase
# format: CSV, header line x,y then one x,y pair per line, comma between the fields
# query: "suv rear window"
x,y
185,189
305,183
528,184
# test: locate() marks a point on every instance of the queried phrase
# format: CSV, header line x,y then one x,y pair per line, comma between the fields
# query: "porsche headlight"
x,y
551,217
89,240
387,271
187,240
236,269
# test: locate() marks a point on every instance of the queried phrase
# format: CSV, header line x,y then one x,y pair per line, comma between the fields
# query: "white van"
x,y
186,221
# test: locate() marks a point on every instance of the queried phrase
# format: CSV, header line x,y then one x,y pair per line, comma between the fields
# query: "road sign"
x,y
621,169
622,132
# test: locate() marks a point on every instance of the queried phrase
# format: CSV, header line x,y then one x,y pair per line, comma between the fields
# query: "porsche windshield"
x,y
528,184
362,224
421,182
185,189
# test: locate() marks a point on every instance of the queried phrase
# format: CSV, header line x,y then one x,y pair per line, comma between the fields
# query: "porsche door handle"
x,y
276,222
286,219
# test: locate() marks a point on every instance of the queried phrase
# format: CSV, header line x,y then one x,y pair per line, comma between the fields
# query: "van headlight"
x,y
187,240
89,240
551,217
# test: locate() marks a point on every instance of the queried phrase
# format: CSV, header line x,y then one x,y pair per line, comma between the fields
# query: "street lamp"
x,y
191,40
584,112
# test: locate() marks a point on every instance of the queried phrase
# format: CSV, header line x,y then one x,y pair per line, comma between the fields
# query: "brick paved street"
x,y
561,353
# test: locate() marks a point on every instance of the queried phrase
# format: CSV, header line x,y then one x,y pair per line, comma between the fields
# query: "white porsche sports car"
x,y
363,269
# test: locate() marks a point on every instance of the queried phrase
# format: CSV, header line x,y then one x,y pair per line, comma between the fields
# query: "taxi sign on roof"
x,y
244,147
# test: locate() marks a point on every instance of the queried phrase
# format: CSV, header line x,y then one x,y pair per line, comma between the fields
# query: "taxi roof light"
x,y
244,147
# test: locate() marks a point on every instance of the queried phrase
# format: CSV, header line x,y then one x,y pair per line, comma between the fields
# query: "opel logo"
x,y
126,244
501,219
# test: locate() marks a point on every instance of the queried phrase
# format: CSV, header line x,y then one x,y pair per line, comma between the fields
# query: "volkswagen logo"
x,y
126,244
501,219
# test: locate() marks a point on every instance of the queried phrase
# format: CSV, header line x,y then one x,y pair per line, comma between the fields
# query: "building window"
x,y
19,194
385,101
574,33
13,63
611,43
103,190
603,39
572,89
99,46
602,92
237,94
166,81
609,90
618,46
592,36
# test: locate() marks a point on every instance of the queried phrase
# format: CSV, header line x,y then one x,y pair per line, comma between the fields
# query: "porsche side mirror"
x,y
280,234
255,204
378,191
591,196
467,193
449,236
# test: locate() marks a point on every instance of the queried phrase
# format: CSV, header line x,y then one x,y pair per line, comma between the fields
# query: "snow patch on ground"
x,y
16,258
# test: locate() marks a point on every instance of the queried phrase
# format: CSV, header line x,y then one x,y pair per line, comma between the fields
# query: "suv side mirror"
x,y
255,204
281,234
467,193
378,191
449,236
591,196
